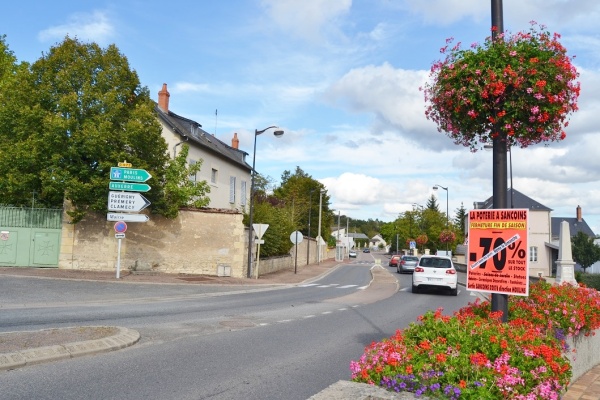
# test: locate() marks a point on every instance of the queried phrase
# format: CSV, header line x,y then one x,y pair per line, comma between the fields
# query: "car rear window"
x,y
435,263
411,258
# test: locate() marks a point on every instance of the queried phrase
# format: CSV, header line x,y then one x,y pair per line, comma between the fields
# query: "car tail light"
x,y
451,271
419,269
403,262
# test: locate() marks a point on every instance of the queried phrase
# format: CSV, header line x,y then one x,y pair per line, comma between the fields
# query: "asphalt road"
x,y
204,342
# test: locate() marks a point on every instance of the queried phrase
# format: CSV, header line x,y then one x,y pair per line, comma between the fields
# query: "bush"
x,y
589,280
473,355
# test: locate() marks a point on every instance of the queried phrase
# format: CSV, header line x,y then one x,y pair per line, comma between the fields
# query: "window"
x,y
232,189
191,164
213,176
243,193
533,254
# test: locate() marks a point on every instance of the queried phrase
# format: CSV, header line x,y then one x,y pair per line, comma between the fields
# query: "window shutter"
x,y
232,189
243,193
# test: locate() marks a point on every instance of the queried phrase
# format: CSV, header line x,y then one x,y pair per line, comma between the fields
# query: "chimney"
x,y
235,142
579,219
163,98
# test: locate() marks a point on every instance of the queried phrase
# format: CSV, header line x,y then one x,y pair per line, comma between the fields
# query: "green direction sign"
x,y
129,187
129,174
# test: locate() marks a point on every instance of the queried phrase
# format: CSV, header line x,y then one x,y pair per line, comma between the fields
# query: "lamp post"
x,y
308,233
436,187
278,132
319,233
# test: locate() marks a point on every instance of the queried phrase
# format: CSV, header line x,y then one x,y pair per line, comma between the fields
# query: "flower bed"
x,y
473,355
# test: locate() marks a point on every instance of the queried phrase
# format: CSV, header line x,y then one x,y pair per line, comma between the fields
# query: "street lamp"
x,y
308,234
319,233
278,133
436,187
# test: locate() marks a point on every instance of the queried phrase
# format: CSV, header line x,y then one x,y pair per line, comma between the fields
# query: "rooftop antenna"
x,y
215,134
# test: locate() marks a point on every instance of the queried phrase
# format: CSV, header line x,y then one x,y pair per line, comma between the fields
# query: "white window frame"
x,y
533,254
214,176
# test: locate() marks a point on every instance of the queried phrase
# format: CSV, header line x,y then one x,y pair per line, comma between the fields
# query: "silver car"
x,y
435,272
407,264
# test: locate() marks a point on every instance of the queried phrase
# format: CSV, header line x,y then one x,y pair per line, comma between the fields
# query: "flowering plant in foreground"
x,y
473,355
521,86
447,236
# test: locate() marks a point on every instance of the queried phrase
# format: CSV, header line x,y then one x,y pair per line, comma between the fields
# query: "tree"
x,y
460,219
585,251
179,190
432,204
70,116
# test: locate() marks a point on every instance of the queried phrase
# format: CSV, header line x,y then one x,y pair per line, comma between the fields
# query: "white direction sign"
x,y
125,201
127,217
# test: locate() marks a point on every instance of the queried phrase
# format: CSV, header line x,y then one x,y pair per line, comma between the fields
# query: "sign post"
x,y
123,201
120,228
260,230
296,238
498,259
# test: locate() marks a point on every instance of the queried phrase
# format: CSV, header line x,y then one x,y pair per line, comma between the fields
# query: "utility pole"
x,y
499,301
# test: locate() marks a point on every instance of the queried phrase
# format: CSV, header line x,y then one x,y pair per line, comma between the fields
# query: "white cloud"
x,y
94,26
307,19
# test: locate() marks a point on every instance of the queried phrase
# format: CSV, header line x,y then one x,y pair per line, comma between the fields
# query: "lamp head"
x,y
435,188
278,133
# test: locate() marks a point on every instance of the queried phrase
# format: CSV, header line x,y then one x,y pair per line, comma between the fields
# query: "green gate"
x,y
30,237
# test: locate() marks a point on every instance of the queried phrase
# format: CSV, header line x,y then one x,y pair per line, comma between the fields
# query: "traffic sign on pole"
x,y
129,187
498,251
123,201
129,174
127,217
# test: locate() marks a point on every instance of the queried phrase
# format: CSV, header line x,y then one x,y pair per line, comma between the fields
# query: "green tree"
x,y
585,251
68,118
179,190
460,220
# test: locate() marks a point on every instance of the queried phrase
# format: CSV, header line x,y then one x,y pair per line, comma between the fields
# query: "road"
x,y
206,343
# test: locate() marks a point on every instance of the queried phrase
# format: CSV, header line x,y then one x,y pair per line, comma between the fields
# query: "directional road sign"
x,y
123,201
127,217
129,187
129,174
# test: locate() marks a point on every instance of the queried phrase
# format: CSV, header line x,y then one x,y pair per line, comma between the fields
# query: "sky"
x,y
342,79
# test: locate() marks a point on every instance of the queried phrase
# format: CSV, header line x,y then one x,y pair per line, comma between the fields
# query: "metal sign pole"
x,y
119,258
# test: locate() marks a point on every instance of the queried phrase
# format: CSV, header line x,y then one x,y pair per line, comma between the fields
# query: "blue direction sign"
x,y
129,187
129,174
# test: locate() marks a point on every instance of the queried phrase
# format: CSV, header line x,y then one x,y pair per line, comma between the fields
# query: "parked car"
x,y
407,264
394,261
366,251
352,254
435,272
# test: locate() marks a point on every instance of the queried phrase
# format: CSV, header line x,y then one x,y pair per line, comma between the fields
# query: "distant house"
x,y
543,231
224,166
377,242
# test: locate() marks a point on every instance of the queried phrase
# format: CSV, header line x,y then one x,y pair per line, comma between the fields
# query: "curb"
x,y
124,338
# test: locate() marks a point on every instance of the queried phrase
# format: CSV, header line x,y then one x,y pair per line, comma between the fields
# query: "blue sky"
x,y
342,78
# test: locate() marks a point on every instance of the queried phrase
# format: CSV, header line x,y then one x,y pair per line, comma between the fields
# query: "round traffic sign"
x,y
120,227
296,237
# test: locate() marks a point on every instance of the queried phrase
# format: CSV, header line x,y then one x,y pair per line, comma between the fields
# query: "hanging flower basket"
x,y
521,87
422,239
447,236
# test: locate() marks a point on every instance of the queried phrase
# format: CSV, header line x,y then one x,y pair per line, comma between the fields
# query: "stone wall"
x,y
207,242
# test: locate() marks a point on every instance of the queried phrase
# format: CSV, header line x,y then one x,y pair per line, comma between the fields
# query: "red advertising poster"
x,y
497,260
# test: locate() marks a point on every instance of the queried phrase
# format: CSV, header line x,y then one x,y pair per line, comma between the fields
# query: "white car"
x,y
352,254
435,272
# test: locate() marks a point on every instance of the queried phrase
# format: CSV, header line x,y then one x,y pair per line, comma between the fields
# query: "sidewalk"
x,y
587,387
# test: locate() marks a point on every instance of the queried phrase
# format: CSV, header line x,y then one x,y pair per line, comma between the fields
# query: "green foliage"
x,y
589,280
179,190
585,251
66,119
277,236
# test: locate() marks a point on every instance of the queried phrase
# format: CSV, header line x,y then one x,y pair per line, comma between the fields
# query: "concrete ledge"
x,y
124,338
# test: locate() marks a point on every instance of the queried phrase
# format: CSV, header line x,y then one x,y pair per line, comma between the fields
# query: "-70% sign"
x,y
497,256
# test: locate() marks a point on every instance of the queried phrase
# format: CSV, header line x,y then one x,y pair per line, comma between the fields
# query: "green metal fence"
x,y
17,217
